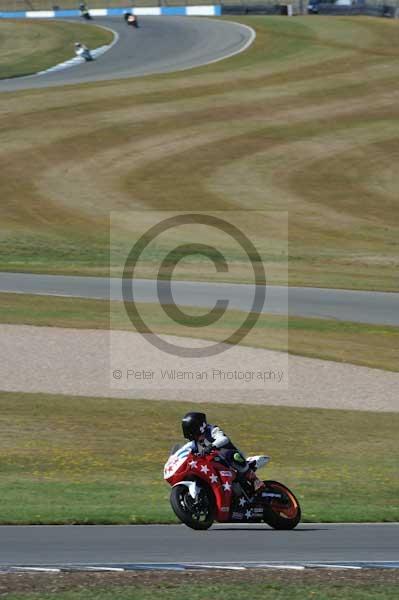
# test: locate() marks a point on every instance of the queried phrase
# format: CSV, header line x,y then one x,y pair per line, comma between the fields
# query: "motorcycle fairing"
x,y
193,488
176,460
183,466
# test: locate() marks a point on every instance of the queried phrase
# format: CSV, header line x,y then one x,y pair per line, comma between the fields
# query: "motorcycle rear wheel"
x,y
284,513
196,517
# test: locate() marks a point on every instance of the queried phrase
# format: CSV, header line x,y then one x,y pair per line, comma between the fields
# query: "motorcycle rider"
x,y
206,437
83,51
84,11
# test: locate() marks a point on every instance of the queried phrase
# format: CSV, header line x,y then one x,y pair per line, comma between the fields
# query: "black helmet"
x,y
193,424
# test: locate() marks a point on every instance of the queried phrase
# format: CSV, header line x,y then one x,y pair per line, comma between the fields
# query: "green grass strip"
x,y
90,460
266,591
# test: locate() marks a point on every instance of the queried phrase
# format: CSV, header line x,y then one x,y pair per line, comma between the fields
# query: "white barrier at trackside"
x,y
208,11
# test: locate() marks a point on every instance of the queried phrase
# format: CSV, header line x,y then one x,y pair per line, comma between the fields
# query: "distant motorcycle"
x,y
84,12
206,489
83,51
131,19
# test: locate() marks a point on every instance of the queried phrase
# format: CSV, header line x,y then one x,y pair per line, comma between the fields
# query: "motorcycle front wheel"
x,y
197,514
283,510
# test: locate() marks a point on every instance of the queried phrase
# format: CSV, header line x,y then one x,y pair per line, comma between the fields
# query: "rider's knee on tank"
x,y
240,463
238,458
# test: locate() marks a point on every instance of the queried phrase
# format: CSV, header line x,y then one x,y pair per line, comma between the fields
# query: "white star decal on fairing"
x,y
242,502
213,478
226,486
204,469
193,464
248,514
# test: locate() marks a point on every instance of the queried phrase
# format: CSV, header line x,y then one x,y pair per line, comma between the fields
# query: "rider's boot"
x,y
257,483
249,474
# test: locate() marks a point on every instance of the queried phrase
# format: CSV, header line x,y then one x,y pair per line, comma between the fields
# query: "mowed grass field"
x,y
368,345
305,122
29,46
74,460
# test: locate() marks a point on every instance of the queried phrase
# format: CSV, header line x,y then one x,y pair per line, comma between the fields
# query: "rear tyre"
x,y
284,511
197,514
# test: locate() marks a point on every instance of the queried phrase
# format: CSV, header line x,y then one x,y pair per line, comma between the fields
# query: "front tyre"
x,y
282,510
195,513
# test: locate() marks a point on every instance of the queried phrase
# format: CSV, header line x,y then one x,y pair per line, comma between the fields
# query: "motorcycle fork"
x,y
243,492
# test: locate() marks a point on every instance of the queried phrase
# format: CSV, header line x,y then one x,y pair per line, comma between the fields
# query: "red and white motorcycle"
x,y
205,489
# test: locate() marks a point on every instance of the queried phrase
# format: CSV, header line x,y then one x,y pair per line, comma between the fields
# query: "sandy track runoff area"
x,y
125,364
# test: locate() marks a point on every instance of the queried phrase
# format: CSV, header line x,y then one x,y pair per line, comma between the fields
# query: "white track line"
x,y
333,566
219,567
94,568
245,47
39,569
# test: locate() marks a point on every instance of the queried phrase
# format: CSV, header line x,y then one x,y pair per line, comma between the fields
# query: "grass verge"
x,y
29,46
368,345
88,460
314,583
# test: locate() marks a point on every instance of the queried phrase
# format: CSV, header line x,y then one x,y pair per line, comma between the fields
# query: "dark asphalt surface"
x,y
345,305
159,45
176,543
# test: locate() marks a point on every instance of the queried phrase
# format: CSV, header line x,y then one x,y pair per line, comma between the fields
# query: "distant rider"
x,y
130,19
83,51
84,11
206,437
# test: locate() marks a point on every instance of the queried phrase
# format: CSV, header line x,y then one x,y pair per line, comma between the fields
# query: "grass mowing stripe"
x,y
368,345
90,460
320,91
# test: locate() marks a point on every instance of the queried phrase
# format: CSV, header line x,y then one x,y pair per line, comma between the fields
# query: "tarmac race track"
x,y
345,305
159,45
82,545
